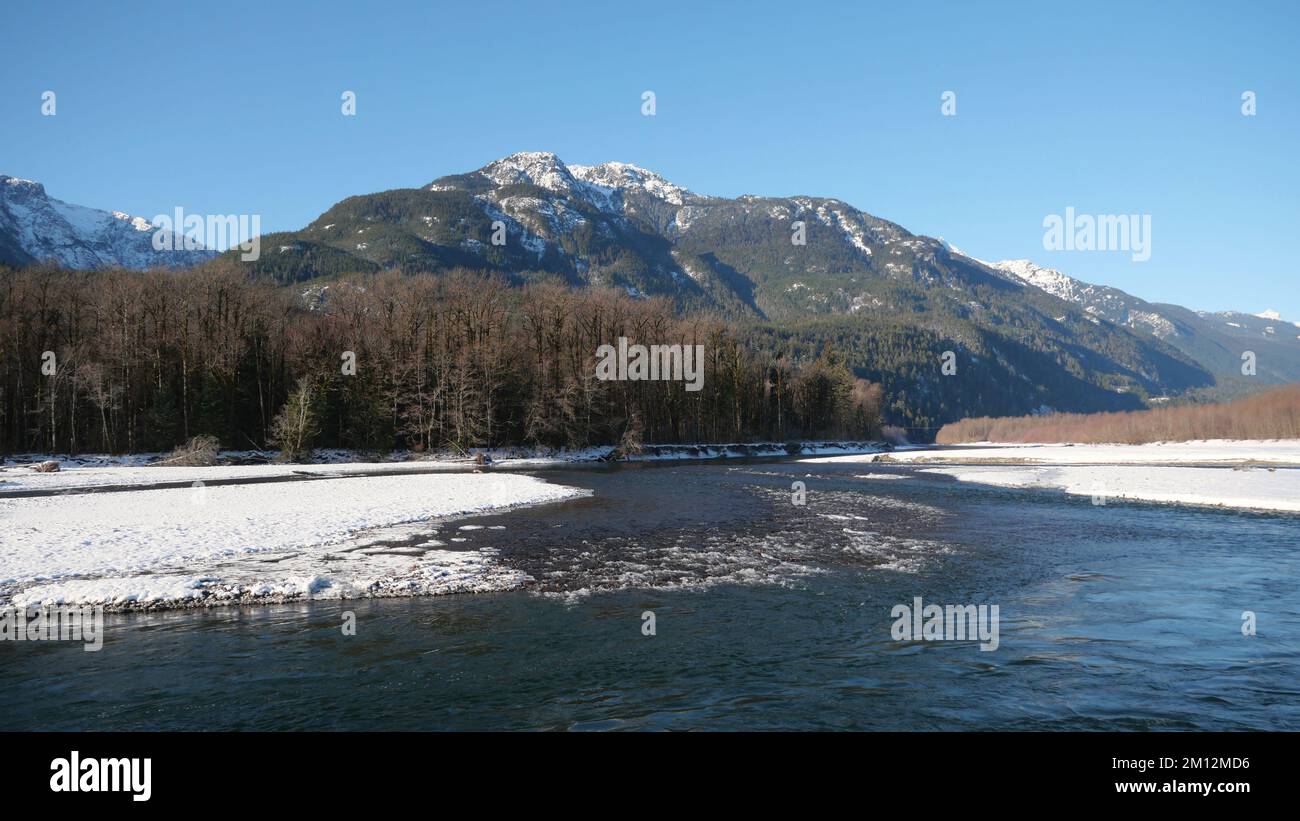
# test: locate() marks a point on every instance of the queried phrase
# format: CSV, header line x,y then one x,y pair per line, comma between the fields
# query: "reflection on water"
x,y
768,615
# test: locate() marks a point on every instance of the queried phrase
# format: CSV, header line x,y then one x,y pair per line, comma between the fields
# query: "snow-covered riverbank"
x,y
142,470
203,544
1259,475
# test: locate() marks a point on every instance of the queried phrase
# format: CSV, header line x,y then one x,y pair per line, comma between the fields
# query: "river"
x,y
767,614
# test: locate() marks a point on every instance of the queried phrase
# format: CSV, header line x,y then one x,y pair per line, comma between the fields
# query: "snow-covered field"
x,y
1254,488
1260,475
202,544
1212,451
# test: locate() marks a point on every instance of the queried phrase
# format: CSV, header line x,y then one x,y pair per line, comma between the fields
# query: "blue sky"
x,y
1112,108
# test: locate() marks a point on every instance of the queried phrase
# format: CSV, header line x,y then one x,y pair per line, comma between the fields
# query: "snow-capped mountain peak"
x,y
626,176
35,227
18,184
541,168
605,186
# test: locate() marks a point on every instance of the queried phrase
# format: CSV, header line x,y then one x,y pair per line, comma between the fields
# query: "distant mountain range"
x,y
1214,339
36,228
1026,337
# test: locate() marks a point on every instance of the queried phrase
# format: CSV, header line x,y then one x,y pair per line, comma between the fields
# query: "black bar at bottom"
x,y
261,771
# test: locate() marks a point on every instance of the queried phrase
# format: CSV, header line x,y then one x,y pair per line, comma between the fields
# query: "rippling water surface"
x,y
768,614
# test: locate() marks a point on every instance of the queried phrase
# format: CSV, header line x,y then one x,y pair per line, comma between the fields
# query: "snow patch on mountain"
x,y
1099,300
684,217
526,237
1046,279
1274,316
853,232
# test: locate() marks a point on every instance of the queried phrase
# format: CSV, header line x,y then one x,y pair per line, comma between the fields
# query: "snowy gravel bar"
x,y
310,538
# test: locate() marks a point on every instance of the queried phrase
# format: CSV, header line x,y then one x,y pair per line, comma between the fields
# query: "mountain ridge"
x,y
806,266
1217,339
804,271
37,228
